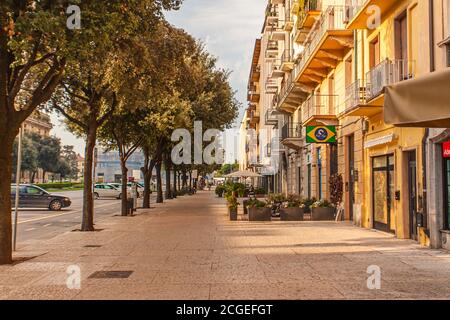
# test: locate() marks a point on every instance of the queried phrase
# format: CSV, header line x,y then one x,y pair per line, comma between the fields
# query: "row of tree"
x,y
47,154
126,79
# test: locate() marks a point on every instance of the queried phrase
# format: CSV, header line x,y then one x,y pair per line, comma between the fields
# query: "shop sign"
x,y
446,149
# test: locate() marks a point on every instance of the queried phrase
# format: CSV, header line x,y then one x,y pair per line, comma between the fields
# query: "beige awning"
x,y
379,141
422,102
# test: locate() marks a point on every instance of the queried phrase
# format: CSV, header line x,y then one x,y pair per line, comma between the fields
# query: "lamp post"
x,y
18,172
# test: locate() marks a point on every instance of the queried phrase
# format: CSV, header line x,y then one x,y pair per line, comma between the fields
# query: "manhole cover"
x,y
111,275
93,246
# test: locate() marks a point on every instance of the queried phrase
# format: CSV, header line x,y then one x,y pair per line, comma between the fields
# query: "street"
x,y
37,224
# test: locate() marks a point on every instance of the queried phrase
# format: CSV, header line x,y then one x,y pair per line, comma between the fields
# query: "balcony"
x,y
272,50
253,94
255,74
272,14
275,69
291,96
386,73
327,47
287,60
307,17
356,101
359,15
254,117
291,136
320,110
271,118
271,86
277,32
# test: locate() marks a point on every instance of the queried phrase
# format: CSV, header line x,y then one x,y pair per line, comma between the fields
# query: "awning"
x,y
379,141
422,102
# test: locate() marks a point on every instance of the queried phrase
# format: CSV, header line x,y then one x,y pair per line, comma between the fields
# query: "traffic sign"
x,y
321,134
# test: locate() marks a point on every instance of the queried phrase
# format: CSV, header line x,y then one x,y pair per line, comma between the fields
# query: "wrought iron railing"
x,y
331,19
386,73
291,130
319,105
355,94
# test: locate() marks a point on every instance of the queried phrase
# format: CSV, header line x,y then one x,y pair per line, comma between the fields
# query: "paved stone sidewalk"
x,y
187,249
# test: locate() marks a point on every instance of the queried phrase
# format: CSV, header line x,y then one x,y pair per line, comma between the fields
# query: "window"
x,y
448,18
374,52
401,37
447,194
31,190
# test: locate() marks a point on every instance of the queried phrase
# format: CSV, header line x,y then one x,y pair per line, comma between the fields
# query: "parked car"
x,y
129,186
31,196
107,191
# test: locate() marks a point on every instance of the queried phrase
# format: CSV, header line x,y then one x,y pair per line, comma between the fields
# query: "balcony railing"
x,y
353,8
286,88
291,131
332,19
310,5
386,73
355,94
271,118
319,105
287,56
271,86
272,49
275,69
272,11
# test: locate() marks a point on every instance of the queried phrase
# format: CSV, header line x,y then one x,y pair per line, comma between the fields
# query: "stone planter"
x,y
233,214
322,214
259,214
291,214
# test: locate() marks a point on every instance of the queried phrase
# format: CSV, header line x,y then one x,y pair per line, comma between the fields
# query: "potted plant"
x,y
322,210
260,193
258,210
220,189
292,209
233,205
307,204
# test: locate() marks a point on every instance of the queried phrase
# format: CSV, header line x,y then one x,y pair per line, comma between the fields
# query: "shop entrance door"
x,y
383,193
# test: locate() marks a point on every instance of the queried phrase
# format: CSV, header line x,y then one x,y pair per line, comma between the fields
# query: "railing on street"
x,y
291,130
319,105
386,73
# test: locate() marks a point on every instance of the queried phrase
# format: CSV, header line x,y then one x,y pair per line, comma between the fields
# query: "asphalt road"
x,y
44,224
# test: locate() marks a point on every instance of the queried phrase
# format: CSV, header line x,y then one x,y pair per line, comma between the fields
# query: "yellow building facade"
x,y
331,62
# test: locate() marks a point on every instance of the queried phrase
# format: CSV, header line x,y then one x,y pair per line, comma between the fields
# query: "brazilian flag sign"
x,y
321,134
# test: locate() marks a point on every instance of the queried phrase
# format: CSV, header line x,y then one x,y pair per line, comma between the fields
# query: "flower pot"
x,y
291,214
259,214
233,214
322,214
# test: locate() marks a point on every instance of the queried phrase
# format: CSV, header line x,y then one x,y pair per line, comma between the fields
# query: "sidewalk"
x,y
187,249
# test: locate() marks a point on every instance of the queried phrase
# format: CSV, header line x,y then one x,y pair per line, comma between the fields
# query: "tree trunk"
x,y
174,193
124,198
148,171
33,175
159,196
7,142
185,178
167,169
190,179
87,223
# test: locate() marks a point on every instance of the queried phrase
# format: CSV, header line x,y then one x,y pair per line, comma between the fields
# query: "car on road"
x,y
31,196
105,190
140,187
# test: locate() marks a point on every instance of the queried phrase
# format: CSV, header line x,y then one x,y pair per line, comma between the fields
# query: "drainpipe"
x,y
427,130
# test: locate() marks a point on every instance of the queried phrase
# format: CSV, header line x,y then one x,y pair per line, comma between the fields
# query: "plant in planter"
x,y
292,209
233,205
260,192
307,203
322,210
220,189
259,210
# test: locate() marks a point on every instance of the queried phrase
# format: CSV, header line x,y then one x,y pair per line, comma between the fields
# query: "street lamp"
x,y
18,169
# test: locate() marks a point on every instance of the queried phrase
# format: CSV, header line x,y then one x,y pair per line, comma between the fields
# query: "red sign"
x,y
446,149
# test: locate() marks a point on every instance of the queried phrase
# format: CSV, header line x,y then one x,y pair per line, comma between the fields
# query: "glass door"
x,y
383,192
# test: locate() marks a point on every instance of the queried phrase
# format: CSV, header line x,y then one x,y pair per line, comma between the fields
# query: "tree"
x,y
63,169
30,152
35,47
68,154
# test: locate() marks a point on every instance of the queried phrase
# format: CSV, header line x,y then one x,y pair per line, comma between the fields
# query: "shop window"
x,y
447,48
447,193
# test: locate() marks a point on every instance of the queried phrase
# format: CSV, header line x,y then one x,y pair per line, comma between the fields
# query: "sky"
x,y
228,28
